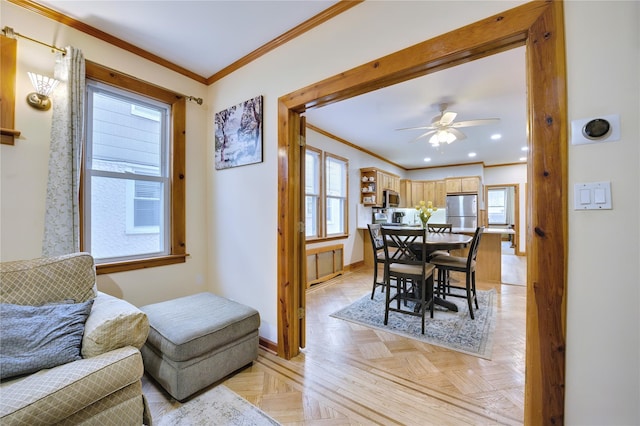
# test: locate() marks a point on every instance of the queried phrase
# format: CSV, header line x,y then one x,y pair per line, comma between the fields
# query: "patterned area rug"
x,y
451,330
218,406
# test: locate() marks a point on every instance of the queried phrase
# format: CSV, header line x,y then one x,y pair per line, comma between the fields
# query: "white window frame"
x,y
315,215
504,205
130,225
342,197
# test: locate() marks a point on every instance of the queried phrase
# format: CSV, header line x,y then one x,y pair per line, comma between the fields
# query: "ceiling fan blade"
x,y
480,122
447,118
417,128
425,134
457,133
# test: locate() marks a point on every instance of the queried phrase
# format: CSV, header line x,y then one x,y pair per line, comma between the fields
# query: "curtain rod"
x,y
8,31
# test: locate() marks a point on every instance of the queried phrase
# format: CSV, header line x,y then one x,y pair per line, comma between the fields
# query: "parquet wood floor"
x,y
349,374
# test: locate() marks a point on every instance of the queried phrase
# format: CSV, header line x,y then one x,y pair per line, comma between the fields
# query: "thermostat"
x,y
596,129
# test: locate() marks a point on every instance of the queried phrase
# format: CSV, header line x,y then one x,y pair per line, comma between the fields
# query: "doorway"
x,y
539,27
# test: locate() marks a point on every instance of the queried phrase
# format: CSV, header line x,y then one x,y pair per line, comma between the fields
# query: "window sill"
x,y
131,265
321,240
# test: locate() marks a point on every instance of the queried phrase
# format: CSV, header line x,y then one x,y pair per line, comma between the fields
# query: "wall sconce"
x,y
44,86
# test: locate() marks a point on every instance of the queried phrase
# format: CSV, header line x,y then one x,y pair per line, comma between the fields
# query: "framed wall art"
x,y
238,134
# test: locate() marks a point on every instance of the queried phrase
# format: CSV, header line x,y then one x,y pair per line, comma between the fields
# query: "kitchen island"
x,y
489,260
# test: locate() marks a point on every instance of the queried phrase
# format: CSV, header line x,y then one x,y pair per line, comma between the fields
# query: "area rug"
x,y
218,406
451,330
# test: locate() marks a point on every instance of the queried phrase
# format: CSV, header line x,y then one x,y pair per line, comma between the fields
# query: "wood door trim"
x,y
540,27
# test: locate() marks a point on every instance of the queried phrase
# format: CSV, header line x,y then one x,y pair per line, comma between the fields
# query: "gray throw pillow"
x,y
37,337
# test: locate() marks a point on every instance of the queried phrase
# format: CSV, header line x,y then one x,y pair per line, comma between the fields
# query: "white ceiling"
x,y
206,40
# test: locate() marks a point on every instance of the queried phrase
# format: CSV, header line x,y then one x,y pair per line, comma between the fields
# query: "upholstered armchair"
x,y
68,353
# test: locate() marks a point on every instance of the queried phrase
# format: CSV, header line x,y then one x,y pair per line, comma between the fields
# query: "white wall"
x,y
603,320
232,214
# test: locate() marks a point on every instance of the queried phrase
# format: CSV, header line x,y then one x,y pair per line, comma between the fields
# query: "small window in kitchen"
x,y
497,206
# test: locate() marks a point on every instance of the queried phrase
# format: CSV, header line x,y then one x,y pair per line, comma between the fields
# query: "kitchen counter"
x,y
489,264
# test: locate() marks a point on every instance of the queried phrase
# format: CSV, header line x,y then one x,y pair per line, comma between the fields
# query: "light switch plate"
x,y
592,196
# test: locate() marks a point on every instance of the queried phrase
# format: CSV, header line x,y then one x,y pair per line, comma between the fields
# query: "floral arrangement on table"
x,y
424,211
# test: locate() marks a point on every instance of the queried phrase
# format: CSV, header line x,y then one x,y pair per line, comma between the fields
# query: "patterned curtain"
x,y
62,215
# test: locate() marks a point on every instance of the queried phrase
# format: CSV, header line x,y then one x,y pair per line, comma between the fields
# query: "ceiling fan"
x,y
443,128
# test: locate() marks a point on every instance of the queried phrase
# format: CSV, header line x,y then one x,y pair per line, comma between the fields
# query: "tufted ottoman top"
x,y
190,326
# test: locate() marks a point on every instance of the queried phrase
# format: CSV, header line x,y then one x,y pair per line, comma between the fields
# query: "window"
x,y
497,206
335,195
133,175
325,194
312,192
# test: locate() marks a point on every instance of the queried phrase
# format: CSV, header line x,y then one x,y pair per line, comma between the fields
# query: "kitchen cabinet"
x,y
414,191
440,197
429,191
417,192
405,193
369,187
372,184
469,184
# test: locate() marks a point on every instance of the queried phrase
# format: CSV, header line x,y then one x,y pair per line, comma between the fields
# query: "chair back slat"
x,y
376,237
439,227
406,246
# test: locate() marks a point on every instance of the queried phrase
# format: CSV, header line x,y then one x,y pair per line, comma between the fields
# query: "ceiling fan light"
x,y
433,140
450,137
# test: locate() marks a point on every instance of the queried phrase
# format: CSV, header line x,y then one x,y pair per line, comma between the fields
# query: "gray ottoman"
x,y
197,340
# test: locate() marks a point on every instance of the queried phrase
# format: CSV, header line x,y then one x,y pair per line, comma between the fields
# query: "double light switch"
x,y
592,196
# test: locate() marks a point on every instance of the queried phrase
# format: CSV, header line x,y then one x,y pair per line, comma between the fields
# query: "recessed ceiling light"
x,y
496,136
472,154
525,148
523,158
427,159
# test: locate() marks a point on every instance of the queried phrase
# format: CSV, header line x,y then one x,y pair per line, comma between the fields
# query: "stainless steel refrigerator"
x,y
462,211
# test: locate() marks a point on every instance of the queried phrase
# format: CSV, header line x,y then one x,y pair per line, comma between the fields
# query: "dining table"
x,y
444,241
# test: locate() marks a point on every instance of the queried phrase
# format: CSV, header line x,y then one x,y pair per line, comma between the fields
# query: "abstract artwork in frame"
x,y
238,134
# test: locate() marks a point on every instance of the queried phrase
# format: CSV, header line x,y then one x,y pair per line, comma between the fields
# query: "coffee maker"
x,y
397,217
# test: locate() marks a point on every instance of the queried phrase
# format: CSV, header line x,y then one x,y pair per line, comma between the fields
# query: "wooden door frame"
x,y
539,26
516,209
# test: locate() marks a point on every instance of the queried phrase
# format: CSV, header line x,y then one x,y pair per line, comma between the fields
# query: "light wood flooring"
x,y
349,374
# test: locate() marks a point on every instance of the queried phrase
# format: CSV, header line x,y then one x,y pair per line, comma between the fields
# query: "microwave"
x,y
390,198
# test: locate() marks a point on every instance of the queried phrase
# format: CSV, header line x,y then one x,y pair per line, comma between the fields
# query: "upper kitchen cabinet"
x,y
414,191
373,182
440,197
470,184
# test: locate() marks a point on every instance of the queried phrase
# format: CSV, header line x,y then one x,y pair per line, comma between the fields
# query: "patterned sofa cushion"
x,y
47,280
50,396
113,323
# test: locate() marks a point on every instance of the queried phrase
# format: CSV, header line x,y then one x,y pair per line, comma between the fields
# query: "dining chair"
x,y
378,254
466,265
405,265
439,228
